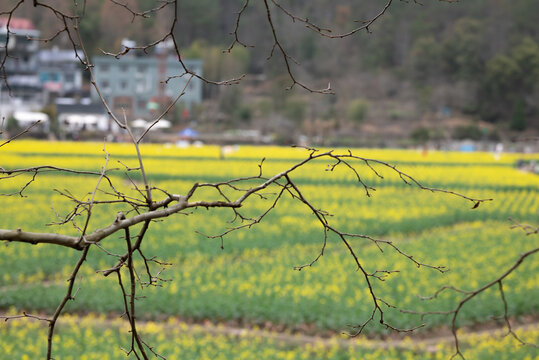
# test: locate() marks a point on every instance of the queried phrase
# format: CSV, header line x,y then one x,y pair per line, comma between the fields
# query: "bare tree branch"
x,y
143,208
470,294
19,134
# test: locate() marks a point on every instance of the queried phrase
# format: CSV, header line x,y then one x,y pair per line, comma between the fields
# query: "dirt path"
x,y
428,341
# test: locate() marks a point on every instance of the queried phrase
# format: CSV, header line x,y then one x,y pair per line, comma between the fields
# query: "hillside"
x,y
425,73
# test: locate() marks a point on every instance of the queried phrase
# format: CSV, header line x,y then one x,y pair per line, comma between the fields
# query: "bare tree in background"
x,y
151,203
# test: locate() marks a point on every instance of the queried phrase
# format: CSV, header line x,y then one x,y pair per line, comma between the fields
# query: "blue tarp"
x,y
188,132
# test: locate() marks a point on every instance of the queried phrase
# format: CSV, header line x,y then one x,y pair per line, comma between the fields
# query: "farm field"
x,y
252,281
97,338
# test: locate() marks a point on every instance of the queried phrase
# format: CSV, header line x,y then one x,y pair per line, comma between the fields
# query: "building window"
x,y
141,104
142,68
123,68
140,87
105,86
104,67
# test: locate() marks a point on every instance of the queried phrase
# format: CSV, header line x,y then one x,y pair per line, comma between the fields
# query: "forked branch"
x,y
470,294
239,191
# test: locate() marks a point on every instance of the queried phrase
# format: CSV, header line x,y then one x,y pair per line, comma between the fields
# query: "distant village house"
x,y
134,86
141,87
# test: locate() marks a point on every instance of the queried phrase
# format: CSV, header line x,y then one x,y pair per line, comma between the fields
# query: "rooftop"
x,y
57,55
17,23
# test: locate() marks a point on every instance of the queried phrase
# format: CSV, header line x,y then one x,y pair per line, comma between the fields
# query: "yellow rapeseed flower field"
x,y
252,280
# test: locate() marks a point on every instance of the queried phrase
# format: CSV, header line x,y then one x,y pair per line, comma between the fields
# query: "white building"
x,y
21,66
60,72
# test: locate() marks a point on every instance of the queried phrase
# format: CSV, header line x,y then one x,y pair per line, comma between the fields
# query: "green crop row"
x,y
259,284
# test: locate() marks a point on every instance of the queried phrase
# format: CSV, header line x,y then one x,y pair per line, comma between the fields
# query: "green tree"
x,y
357,110
308,47
472,132
463,49
294,109
218,64
230,102
12,125
518,120
425,58
498,85
526,56
508,81
420,135
204,18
